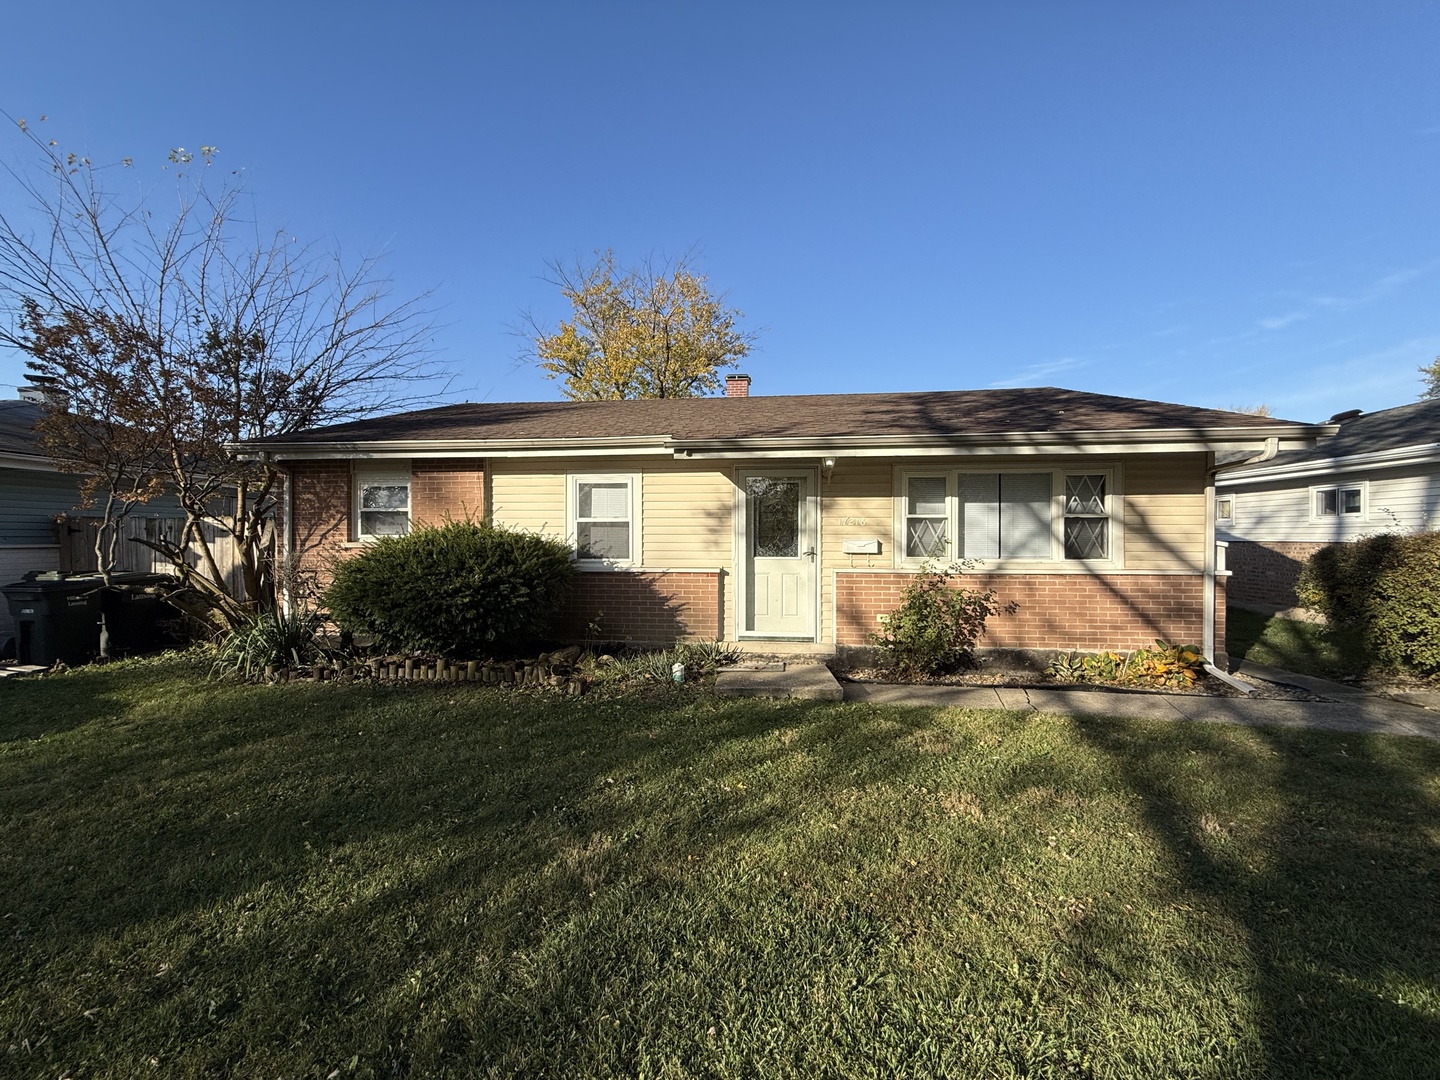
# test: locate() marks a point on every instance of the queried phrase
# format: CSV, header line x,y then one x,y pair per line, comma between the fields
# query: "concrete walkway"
x,y
1348,708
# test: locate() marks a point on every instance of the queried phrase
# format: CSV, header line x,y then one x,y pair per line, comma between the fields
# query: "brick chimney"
x,y
737,385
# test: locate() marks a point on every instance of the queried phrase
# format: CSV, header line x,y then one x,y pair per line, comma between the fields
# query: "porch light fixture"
x,y
827,467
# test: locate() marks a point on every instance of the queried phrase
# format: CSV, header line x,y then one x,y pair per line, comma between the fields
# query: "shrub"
x,y
453,590
936,626
1388,588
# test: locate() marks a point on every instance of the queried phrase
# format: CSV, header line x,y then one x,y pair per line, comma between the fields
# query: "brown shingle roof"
x,y
938,413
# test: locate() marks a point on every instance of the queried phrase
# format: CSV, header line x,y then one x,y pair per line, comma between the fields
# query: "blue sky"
x,y
1210,203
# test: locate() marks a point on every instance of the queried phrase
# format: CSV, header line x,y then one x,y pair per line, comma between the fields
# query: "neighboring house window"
x,y
1035,514
603,518
382,501
1339,501
1224,509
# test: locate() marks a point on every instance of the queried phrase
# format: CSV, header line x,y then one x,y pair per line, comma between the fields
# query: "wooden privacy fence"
x,y
76,536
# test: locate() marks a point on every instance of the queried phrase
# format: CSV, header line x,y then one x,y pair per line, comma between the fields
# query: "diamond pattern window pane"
x,y
925,538
1085,494
1087,538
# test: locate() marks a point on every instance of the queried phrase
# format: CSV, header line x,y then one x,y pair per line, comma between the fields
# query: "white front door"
x,y
780,539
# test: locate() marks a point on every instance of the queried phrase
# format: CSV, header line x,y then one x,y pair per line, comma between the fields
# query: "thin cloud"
x,y
1279,322
1037,373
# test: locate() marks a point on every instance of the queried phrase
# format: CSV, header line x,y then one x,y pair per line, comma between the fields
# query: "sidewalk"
x,y
1351,709
1346,708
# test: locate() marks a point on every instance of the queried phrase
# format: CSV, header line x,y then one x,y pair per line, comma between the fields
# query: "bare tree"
x,y
177,332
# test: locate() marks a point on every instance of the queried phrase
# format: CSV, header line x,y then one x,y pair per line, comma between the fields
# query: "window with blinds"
x,y
602,518
1032,514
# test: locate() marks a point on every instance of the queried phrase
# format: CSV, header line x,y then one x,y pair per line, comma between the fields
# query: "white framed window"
x,y
927,517
603,518
1338,501
1007,515
1225,508
1087,516
382,499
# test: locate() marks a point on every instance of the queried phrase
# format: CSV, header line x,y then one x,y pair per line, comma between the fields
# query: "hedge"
x,y
455,590
1387,587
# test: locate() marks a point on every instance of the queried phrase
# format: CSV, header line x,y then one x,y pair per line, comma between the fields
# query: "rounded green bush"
x,y
1386,586
454,590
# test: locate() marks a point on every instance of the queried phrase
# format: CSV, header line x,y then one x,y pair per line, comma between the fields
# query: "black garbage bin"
x,y
135,620
57,616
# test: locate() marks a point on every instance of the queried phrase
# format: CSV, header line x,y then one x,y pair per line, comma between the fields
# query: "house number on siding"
x,y
854,521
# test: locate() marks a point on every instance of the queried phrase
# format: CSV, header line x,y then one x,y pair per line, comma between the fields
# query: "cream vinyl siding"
x,y
530,495
686,510
854,505
1164,516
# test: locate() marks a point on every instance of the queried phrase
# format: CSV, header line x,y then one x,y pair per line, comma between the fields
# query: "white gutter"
x,y
1427,454
1155,440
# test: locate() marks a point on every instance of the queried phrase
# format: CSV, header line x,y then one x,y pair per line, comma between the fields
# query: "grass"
x,y
220,880
1305,648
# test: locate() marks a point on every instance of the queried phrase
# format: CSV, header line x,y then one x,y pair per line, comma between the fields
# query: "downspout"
x,y
1207,645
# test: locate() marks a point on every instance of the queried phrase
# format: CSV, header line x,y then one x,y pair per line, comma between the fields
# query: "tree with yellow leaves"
x,y
646,332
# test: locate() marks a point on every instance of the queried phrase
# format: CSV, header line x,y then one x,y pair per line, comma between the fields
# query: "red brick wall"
x,y
320,495
1263,574
441,487
659,608
1051,611
1222,655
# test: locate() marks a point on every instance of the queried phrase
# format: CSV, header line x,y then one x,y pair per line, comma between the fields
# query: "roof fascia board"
x,y
1376,459
26,461
1218,440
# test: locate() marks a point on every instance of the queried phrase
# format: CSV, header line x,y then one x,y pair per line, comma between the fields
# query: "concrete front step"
x,y
792,679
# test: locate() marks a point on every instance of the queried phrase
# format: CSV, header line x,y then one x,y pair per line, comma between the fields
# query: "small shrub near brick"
x,y
452,590
1388,588
935,629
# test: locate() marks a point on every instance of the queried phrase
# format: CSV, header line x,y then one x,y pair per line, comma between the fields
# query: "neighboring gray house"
x,y
1380,473
33,492
40,527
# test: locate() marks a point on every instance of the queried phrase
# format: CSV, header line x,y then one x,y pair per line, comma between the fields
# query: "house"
x,y
801,519
1380,473
41,525
33,492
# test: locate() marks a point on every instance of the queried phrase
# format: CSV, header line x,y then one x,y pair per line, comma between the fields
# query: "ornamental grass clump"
x,y
278,639
458,589
936,626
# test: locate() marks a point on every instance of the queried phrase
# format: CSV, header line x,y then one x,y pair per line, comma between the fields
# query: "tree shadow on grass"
x,y
1339,931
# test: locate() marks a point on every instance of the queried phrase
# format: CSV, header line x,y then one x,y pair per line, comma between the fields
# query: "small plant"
x,y
708,656
936,626
270,639
1162,665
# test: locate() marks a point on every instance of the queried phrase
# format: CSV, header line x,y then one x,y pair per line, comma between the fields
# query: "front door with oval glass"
x,y
780,553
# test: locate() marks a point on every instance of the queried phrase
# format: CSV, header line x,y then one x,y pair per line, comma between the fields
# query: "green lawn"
x,y
1305,648
319,881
